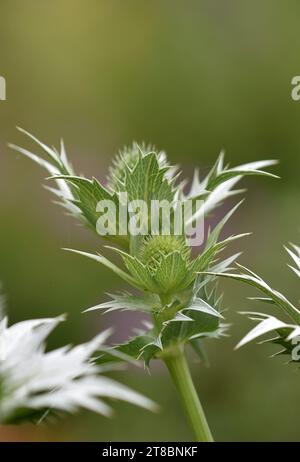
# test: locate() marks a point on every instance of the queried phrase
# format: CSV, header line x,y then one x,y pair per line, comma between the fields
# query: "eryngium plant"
x,y
184,306
35,384
286,333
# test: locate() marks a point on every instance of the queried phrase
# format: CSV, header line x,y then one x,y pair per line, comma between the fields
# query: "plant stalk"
x,y
180,373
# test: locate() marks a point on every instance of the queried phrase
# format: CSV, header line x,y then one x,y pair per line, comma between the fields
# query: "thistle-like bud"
x,y
126,160
155,249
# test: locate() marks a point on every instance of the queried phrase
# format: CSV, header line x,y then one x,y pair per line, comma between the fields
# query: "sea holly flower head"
x,y
150,217
184,305
163,264
154,249
35,383
126,160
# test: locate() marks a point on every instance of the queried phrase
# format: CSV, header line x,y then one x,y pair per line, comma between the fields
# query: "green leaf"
x,y
171,273
296,257
255,281
203,307
202,325
286,334
104,261
266,324
149,352
199,348
88,193
213,236
78,195
140,273
145,302
204,260
235,172
148,180
220,181
126,352
51,153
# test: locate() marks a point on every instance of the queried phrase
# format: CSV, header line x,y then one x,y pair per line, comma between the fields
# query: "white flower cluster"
x,y
34,383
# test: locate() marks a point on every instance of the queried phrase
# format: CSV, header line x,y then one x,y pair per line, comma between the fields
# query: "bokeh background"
x,y
192,77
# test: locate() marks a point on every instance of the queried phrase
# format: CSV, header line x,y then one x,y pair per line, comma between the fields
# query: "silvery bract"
x,y
35,383
287,334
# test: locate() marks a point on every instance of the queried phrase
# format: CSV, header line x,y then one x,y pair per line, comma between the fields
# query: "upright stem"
x,y
183,381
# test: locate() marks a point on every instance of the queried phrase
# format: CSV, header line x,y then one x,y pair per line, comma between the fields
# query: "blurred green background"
x,y
192,77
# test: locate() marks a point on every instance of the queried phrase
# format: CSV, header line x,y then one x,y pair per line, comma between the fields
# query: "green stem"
x,y
183,381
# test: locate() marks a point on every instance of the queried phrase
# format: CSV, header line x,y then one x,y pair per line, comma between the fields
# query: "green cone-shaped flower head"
x,y
156,248
127,159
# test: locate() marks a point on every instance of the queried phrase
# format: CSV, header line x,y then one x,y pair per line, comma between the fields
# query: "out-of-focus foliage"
x,y
35,384
286,333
